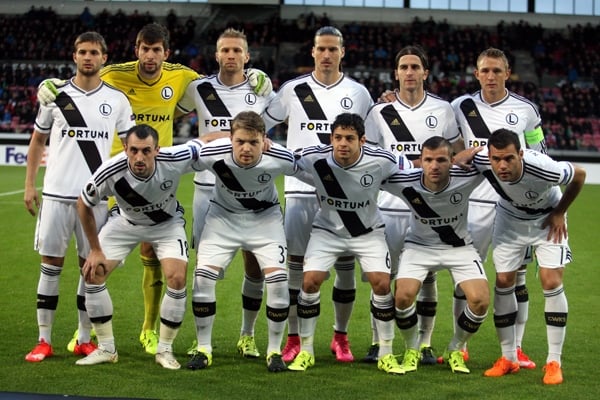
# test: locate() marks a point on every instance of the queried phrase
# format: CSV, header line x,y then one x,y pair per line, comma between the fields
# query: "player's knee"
x,y
146,250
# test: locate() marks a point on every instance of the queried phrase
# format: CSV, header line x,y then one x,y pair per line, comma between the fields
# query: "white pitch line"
x,y
15,192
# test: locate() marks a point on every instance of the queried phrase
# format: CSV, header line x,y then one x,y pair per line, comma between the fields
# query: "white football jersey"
x,y
439,219
310,107
402,129
347,195
241,189
216,104
478,119
81,126
147,201
536,192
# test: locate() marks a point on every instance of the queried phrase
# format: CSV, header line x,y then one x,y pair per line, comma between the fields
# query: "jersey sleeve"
x,y
187,103
277,110
44,119
372,130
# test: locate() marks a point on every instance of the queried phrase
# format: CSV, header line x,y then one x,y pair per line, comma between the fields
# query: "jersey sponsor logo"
x,y
322,129
477,143
440,221
342,204
406,147
105,109
366,180
79,133
224,123
512,118
346,103
167,92
140,118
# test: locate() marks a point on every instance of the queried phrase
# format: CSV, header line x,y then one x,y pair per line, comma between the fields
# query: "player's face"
x,y
89,58
231,55
506,163
410,73
327,53
151,57
492,74
247,146
141,154
436,165
346,145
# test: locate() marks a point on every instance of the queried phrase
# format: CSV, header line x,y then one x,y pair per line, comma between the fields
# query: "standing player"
x,y
402,126
153,87
310,103
144,180
438,239
347,176
531,212
81,124
478,114
217,99
244,213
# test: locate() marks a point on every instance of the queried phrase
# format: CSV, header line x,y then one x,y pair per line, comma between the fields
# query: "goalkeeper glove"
x,y
260,82
47,90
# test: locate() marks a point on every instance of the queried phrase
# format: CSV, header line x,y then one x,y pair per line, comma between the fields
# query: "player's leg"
x,y
52,234
200,205
117,240
552,259
343,295
81,343
321,252
152,286
373,255
252,294
426,306
298,217
100,310
522,294
407,320
309,309
467,272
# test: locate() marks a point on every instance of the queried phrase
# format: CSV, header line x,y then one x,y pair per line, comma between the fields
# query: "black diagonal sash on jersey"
x,y
124,189
230,181
397,126
350,219
474,119
212,101
309,102
312,108
496,185
445,232
73,117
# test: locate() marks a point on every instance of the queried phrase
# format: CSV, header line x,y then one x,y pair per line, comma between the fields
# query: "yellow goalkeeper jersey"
x,y
154,102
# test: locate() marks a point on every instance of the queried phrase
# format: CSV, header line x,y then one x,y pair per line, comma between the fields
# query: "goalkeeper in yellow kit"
x,y
153,87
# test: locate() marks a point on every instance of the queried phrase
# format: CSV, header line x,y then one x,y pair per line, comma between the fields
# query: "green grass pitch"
x,y
231,376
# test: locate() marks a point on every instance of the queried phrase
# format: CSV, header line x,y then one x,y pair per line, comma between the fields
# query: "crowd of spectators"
x,y
570,109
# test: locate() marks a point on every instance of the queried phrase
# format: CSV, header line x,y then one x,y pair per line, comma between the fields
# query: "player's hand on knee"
x,y
260,82
47,92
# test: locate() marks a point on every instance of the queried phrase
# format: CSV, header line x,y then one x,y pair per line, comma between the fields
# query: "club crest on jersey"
x,y
264,178
456,198
90,189
431,122
346,103
531,195
250,99
366,180
512,118
105,109
166,185
166,92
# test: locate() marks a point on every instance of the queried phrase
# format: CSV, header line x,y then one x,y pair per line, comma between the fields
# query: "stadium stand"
x,y
557,69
